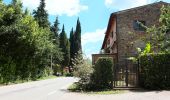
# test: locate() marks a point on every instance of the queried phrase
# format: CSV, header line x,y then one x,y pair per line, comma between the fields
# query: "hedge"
x,y
102,77
155,71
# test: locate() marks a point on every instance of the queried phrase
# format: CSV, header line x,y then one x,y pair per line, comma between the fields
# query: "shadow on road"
x,y
144,90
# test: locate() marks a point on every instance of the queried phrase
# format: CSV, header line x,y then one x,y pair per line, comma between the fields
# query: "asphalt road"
x,y
51,89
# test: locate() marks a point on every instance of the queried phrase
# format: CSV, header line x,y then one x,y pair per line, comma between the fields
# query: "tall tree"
x,y
14,1
67,55
55,31
77,38
55,38
41,15
24,46
55,28
72,55
64,45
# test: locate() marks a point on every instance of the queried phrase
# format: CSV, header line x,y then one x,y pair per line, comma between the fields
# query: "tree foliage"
x,y
75,42
102,77
72,55
24,46
83,70
55,28
65,46
154,63
28,45
41,15
155,71
77,38
159,37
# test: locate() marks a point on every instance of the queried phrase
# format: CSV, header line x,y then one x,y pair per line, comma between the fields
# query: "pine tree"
x,y
72,55
55,37
64,45
77,38
55,28
14,1
17,4
41,15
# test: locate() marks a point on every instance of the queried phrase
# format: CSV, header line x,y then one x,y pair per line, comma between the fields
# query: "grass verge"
x,y
48,77
24,81
76,88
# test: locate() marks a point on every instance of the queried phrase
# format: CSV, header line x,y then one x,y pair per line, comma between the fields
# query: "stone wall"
x,y
128,39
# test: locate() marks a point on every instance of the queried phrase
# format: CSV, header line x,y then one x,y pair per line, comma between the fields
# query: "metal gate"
x,y
125,74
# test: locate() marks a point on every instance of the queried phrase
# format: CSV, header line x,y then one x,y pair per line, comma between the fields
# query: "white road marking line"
x,y
51,92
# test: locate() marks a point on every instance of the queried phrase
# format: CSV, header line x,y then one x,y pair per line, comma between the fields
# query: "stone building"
x,y
125,30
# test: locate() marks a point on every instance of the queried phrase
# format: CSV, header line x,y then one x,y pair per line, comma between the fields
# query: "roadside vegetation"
x,y
155,59
93,78
31,48
76,88
154,71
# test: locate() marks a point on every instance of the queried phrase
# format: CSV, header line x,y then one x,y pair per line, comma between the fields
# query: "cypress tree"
x,y
67,55
41,15
64,45
71,47
77,38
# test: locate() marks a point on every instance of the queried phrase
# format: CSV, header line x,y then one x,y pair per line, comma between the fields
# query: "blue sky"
x,y
93,14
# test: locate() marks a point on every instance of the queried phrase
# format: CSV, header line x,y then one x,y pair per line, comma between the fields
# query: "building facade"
x,y
126,29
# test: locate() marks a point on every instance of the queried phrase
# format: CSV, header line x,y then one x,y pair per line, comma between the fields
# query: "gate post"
x,y
138,73
126,71
114,77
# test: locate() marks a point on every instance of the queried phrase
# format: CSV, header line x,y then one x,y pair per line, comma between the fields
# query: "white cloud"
x,y
125,4
108,2
93,37
92,42
58,7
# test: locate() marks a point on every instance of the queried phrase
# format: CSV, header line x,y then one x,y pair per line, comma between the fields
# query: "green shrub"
x,y
68,74
155,71
48,71
102,76
83,70
7,69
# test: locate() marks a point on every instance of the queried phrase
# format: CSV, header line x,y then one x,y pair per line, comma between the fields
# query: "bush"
x,y
155,71
48,71
7,69
83,70
102,77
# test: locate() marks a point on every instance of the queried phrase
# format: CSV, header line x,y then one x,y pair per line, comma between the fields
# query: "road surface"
x,y
51,89
129,95
56,89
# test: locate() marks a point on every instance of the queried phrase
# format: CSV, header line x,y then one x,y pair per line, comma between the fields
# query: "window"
x,y
139,25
